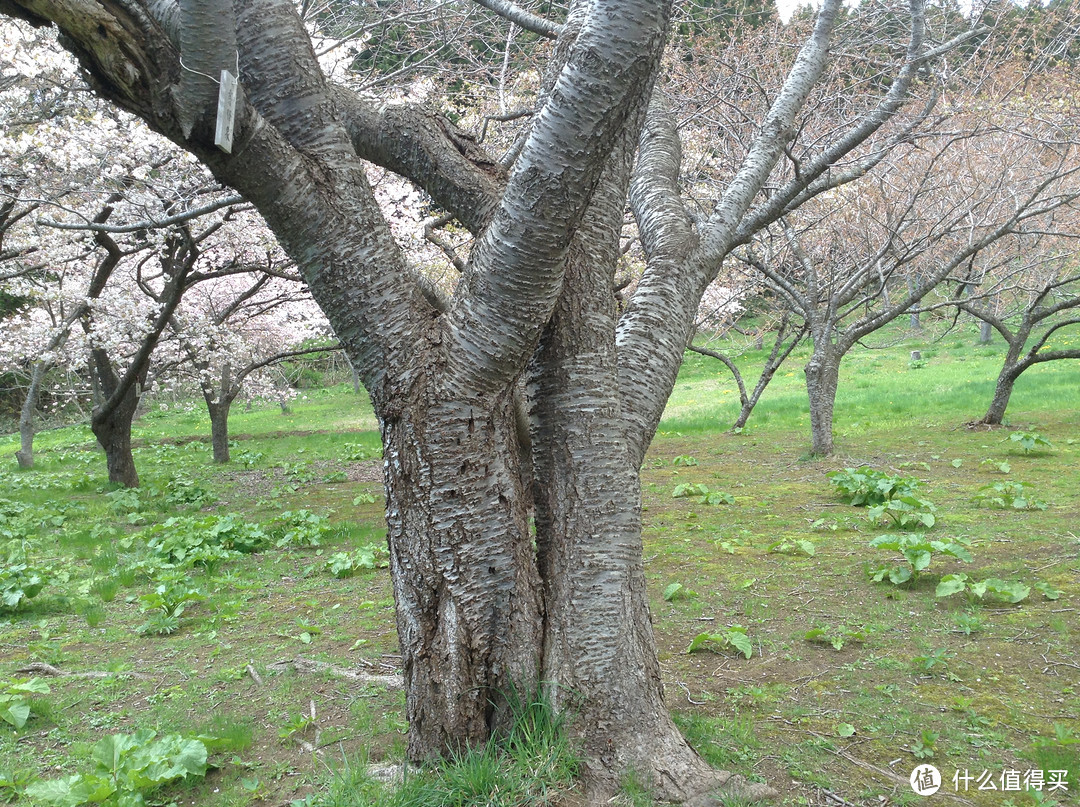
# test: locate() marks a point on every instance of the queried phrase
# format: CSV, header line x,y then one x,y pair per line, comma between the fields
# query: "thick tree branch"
x,y
522,18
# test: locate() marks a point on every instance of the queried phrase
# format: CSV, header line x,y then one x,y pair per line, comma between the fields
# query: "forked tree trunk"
x,y
822,378
25,454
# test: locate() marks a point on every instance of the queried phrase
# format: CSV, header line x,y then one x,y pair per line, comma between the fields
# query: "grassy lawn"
x,y
291,668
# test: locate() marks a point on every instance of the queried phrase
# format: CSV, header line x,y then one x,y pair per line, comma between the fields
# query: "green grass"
x,y
1003,674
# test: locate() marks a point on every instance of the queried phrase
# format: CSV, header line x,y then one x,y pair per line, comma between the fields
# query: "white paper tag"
x,y
226,112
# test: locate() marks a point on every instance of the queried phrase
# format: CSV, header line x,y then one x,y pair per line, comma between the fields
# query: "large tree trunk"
x,y
469,610
822,378
25,454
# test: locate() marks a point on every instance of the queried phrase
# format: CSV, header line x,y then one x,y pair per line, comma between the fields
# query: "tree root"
x,y
308,665
41,668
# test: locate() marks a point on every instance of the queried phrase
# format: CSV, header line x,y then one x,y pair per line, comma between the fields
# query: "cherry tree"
x,y
484,604
233,329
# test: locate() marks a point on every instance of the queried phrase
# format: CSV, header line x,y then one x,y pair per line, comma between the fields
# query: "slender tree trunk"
x,y
1002,392
355,377
25,454
986,331
822,378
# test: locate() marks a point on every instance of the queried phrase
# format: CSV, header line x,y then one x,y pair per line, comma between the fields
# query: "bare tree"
x,y
482,605
1032,305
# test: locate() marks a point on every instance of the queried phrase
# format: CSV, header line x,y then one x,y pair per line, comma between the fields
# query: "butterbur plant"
x,y
1030,442
20,582
127,769
734,637
903,512
300,528
347,564
837,637
701,493
1011,591
864,487
166,603
918,552
1008,496
16,704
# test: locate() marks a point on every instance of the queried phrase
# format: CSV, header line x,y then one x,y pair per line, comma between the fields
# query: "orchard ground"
x,y
892,677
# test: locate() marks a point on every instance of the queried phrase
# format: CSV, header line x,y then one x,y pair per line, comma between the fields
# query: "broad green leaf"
x,y
806,546
957,463
951,584
899,575
919,559
33,685
72,791
16,713
699,642
845,730
109,751
1048,591
741,642
673,591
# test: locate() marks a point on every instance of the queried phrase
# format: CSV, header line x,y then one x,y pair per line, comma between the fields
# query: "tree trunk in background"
x,y
219,428
822,378
112,427
25,454
113,432
986,331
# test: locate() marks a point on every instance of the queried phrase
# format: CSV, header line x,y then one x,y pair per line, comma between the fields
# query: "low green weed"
x,y
903,512
348,564
20,582
837,637
300,528
166,603
1030,442
1011,591
792,547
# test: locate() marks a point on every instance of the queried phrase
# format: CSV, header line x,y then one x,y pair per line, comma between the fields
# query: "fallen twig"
x,y
254,674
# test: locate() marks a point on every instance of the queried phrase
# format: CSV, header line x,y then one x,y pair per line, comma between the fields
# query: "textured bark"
x,y
463,567
822,378
479,608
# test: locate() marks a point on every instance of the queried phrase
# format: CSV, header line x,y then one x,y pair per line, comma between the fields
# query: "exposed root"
x,y
41,668
309,665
